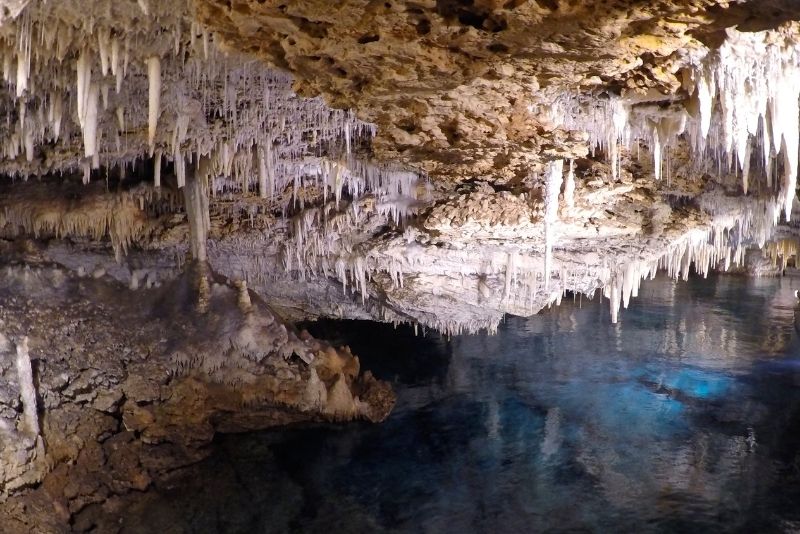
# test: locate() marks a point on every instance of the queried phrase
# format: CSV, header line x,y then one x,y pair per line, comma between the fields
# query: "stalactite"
x,y
153,98
745,92
196,201
263,190
257,135
569,186
104,49
115,57
84,79
552,189
751,221
90,121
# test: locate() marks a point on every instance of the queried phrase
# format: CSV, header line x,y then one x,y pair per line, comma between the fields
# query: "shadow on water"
x,y
685,416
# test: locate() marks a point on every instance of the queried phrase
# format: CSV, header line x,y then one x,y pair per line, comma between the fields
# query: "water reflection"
x,y
684,416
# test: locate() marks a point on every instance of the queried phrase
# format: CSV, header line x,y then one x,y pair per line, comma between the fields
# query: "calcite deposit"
x,y
179,181
463,88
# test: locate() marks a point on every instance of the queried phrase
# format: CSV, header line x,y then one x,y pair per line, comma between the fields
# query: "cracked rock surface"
x,y
132,389
462,89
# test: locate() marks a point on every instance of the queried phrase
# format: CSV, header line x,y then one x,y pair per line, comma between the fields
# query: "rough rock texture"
x,y
462,88
133,385
442,162
540,126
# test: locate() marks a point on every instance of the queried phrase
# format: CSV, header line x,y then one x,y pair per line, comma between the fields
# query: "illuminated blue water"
x,y
683,417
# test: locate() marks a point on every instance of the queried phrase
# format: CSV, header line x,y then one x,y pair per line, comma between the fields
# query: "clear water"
x,y
684,417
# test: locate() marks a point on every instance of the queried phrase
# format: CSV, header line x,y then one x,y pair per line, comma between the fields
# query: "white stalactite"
x,y
154,98
22,76
57,110
121,118
196,201
90,121
569,186
705,83
554,178
262,175
104,49
743,93
115,57
84,80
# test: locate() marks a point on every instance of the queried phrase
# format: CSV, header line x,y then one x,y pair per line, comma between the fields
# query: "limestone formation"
x,y
229,166
134,384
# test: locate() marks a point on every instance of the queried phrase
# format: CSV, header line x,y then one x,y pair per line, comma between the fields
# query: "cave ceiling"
x,y
436,162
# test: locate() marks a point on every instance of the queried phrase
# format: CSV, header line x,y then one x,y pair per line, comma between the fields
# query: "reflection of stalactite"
x,y
493,426
782,251
552,432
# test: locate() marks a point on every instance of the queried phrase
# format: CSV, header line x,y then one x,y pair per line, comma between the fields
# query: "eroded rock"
x,y
138,383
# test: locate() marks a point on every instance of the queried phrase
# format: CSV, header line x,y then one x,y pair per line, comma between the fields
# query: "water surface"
x,y
685,416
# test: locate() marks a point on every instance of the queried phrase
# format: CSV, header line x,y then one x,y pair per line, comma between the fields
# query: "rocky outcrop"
x,y
133,385
463,89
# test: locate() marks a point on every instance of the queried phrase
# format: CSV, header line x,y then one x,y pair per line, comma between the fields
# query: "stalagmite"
x,y
243,296
28,145
27,388
154,98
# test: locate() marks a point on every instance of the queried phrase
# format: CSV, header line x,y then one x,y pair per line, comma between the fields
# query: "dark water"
x,y
685,417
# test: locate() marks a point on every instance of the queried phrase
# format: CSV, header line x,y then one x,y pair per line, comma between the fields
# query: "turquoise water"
x,y
684,417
